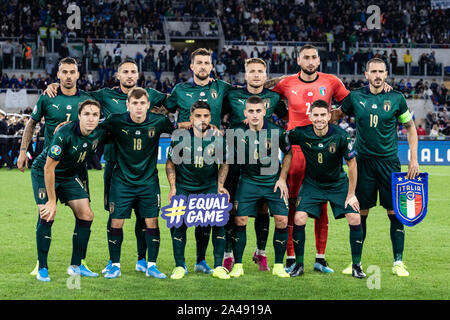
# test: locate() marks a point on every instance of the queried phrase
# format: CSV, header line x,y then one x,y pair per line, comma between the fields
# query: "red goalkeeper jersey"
x,y
301,94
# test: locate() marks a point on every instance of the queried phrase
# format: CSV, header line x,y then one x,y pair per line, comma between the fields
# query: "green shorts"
x,y
66,189
374,176
311,198
84,177
107,175
248,195
185,192
124,197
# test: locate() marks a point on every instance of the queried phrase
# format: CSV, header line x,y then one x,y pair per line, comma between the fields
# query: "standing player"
x,y
183,96
55,175
324,146
198,177
135,178
376,114
234,104
260,139
63,107
114,101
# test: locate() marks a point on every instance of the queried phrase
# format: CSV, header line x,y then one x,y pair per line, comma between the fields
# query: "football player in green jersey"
x,y
234,105
135,178
55,175
256,146
201,88
113,100
324,145
55,110
198,176
376,114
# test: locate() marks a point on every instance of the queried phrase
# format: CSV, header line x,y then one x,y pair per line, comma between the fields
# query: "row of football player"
x,y
308,61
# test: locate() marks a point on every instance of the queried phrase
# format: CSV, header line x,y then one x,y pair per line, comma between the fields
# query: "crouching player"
x,y
261,178
324,145
198,175
135,183
54,176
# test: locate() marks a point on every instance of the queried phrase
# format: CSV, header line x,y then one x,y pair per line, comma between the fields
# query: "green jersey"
x,y
185,94
202,155
137,146
56,110
235,101
115,101
258,148
71,149
376,117
324,154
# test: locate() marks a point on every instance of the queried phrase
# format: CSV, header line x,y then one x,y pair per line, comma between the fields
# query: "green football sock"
x,y
364,226
202,235
80,241
397,237
356,243
43,240
139,231
262,222
152,236
240,240
115,244
298,237
179,244
280,238
108,233
218,241
229,230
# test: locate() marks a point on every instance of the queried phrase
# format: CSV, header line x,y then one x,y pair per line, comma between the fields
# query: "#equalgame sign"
x,y
197,210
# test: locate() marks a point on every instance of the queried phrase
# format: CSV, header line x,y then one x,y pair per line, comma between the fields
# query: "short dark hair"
x,y
320,104
67,60
137,93
127,60
255,60
200,52
375,60
200,105
88,102
308,46
254,100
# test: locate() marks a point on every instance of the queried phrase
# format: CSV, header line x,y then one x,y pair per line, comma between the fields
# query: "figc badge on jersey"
x,y
410,197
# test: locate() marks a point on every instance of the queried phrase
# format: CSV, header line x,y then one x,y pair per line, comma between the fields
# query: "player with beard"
x,y
55,110
301,90
113,100
183,96
377,113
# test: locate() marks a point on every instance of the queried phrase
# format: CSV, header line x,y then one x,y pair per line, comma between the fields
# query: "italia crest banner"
x,y
410,197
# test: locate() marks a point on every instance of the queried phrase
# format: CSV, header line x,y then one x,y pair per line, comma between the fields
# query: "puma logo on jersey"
x,y
76,148
363,104
241,101
243,140
115,100
308,144
188,148
295,92
56,106
126,131
60,139
189,94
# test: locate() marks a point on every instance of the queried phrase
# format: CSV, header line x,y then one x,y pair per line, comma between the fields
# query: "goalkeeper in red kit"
x,y
301,90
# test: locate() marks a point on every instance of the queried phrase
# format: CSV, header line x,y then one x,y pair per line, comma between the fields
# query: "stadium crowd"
x,y
333,21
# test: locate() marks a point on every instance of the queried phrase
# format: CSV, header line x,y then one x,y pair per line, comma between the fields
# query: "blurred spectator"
x,y
421,131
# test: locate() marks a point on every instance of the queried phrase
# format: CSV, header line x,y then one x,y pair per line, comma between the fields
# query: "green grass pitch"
x,y
426,255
